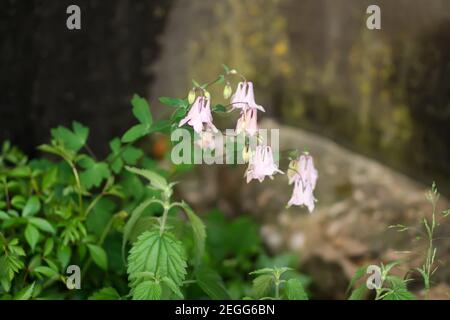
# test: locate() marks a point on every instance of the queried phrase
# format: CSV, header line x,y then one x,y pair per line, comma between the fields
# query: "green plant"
x,y
272,284
394,287
127,237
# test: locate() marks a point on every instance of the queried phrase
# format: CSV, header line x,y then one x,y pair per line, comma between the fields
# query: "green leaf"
x,y
73,140
46,271
32,207
18,201
198,228
294,290
99,256
48,247
173,102
262,271
147,290
399,293
211,283
64,253
131,155
94,173
107,293
262,285
219,108
42,224
173,287
135,132
358,293
156,180
358,275
159,254
9,265
135,215
141,110
4,215
26,293
31,235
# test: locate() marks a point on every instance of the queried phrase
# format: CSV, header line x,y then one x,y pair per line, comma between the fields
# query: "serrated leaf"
x,y
135,215
147,290
399,293
42,224
32,207
107,293
9,265
26,293
262,285
211,283
141,110
160,254
173,287
99,256
294,290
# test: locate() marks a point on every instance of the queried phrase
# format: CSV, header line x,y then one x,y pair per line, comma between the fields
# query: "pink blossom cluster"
x,y
301,172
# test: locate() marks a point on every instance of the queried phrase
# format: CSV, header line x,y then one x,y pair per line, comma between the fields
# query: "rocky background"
x,y
371,106
358,200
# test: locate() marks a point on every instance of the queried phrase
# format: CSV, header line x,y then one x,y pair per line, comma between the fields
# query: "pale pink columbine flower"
x,y
302,195
206,139
244,98
199,114
304,176
248,122
261,164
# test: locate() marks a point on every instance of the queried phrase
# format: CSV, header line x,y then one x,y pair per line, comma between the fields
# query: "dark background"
x,y
51,75
382,93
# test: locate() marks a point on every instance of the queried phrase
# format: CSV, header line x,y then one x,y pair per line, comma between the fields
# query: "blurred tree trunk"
x,y
51,75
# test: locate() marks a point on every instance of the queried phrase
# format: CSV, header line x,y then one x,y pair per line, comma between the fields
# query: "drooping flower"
x,y
206,139
244,97
304,175
248,122
302,195
199,114
261,164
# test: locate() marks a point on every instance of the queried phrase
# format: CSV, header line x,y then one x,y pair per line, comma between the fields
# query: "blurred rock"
x,y
358,199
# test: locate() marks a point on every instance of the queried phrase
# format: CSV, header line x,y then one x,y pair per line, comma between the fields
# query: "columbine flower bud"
x,y
191,96
232,71
227,91
246,154
292,171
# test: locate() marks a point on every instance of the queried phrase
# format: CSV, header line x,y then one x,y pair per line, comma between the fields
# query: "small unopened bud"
x,y
191,96
292,170
232,71
246,154
227,91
